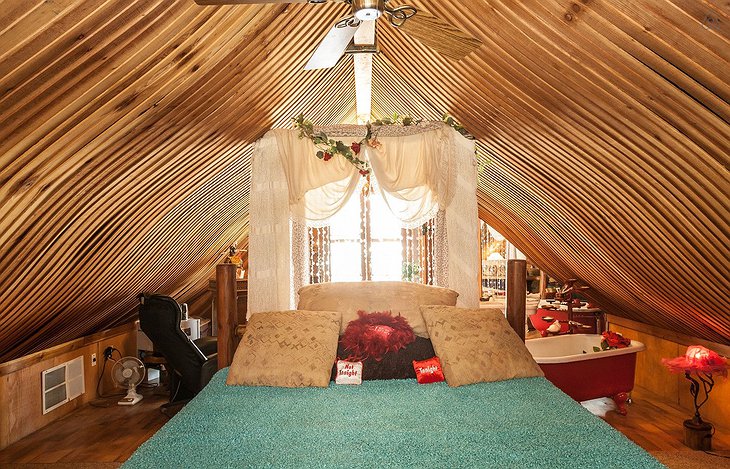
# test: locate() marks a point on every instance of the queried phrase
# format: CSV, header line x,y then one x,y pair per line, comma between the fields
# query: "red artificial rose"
x,y
327,156
355,147
615,340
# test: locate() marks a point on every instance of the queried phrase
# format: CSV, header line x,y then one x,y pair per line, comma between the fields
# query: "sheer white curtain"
x,y
414,173
317,189
422,171
270,250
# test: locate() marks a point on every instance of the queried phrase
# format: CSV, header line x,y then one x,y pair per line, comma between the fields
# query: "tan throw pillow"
x,y
477,345
289,349
400,298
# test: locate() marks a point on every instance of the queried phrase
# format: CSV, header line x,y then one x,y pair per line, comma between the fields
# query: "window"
x,y
365,241
494,262
495,250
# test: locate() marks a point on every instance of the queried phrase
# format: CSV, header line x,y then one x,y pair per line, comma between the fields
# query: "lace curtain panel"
x,y
421,171
269,253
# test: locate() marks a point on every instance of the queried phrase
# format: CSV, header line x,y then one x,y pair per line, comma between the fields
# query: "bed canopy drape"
x,y
423,172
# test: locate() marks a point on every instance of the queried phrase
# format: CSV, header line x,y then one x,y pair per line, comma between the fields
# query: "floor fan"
x,y
128,372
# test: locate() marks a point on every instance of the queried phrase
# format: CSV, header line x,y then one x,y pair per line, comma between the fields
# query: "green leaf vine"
x,y
327,147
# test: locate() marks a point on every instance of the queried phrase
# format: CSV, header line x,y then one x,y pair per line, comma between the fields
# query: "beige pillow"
x,y
477,345
288,349
400,298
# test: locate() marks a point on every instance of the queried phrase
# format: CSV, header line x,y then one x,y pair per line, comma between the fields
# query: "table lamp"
x,y
698,365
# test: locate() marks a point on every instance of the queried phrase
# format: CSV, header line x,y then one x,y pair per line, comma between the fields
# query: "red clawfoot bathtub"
x,y
588,375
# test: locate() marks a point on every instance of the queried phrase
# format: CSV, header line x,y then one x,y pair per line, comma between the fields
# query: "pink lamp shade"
x,y
697,359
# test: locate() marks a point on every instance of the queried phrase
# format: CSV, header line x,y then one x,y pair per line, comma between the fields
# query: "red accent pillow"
x,y
375,334
428,371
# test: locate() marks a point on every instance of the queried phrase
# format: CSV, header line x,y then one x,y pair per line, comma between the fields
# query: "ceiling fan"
x,y
444,38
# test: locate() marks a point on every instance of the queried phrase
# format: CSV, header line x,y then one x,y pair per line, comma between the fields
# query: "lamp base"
x,y
698,434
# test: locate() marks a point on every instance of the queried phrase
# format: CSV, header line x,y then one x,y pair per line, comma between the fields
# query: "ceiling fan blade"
x,y
333,45
250,2
442,37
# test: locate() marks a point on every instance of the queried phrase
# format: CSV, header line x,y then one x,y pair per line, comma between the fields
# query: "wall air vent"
x,y
62,383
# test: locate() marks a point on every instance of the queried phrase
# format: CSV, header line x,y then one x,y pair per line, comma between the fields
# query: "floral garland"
x,y
327,147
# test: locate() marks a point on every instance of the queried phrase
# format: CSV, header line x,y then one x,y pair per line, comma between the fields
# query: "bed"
x,y
395,423
521,422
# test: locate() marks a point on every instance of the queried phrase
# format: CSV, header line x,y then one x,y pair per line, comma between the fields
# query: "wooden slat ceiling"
x,y
127,133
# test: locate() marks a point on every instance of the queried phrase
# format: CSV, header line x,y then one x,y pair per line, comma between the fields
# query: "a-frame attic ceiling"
x,y
127,131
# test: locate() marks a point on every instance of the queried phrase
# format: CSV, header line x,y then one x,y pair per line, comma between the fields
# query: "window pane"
x,y
387,260
345,261
384,225
494,263
386,242
346,223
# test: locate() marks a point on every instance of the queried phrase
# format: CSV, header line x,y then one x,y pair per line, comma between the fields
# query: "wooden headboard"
x,y
230,329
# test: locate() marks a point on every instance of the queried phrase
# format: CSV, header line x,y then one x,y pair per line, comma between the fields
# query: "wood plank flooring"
x,y
92,434
111,434
656,425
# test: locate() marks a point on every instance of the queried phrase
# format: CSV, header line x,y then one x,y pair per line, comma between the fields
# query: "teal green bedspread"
x,y
521,423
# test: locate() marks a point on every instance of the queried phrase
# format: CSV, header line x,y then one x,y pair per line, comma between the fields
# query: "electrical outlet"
x,y
93,359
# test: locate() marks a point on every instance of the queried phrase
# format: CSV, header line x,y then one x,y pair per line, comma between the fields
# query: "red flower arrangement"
x,y
373,335
612,340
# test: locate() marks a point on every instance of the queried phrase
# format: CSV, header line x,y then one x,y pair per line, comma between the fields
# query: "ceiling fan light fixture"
x,y
368,10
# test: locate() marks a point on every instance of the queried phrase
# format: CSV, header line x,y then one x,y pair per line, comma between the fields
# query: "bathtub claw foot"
x,y
621,399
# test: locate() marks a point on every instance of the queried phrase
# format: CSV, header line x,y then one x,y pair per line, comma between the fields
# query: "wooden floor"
x,y
92,434
656,425
111,434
